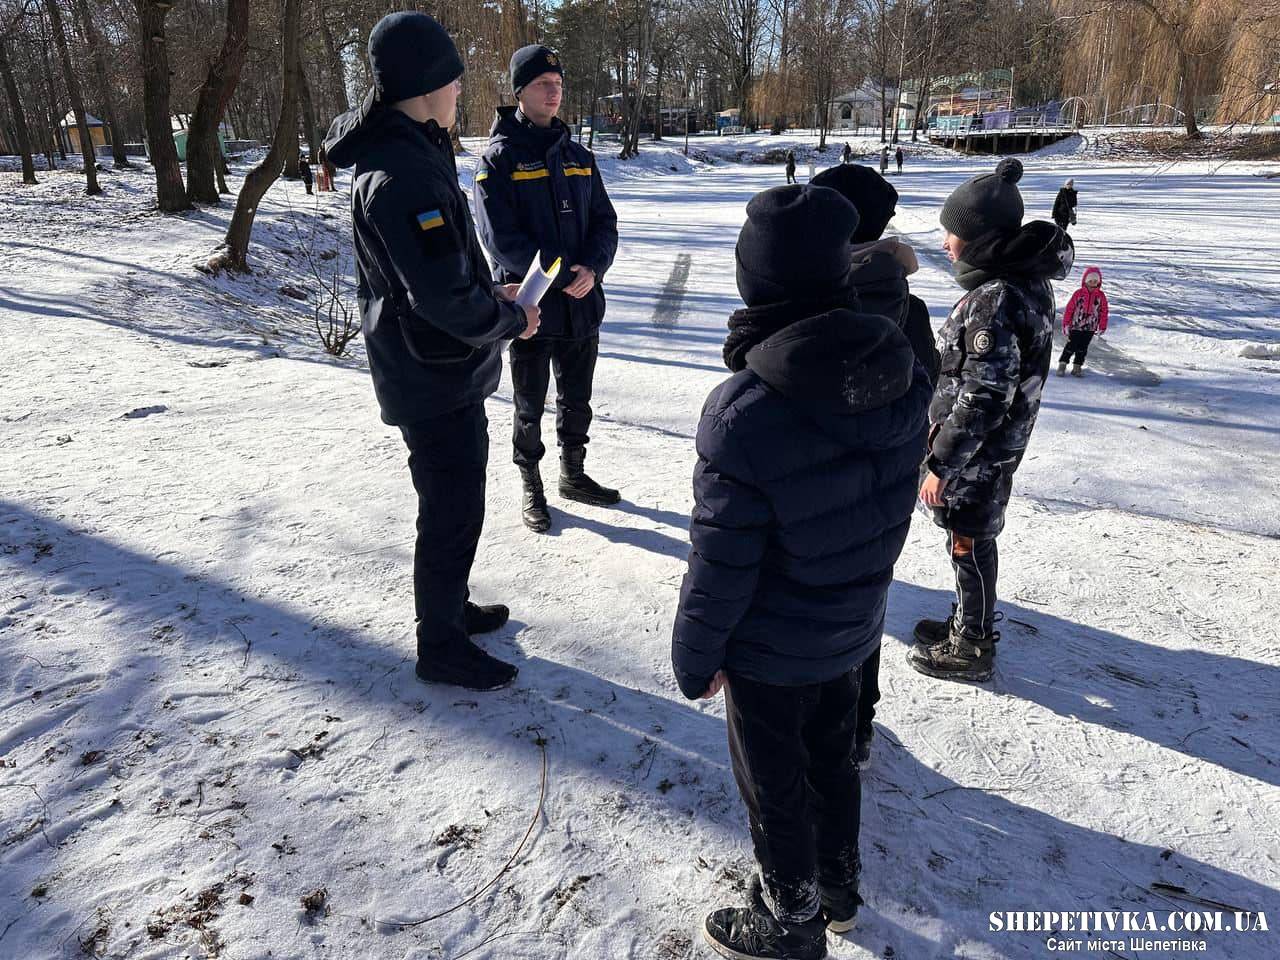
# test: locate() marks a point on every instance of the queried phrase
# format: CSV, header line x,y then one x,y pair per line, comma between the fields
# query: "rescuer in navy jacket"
x,y
537,190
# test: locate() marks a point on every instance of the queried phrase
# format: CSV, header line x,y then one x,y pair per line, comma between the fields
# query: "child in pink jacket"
x,y
1086,314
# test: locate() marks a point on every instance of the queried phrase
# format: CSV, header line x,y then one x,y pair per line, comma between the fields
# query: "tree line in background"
x,y
266,69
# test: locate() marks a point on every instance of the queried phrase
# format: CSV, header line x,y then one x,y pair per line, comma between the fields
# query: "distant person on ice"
x,y
304,171
884,160
898,157
847,154
1085,316
880,268
538,190
791,166
807,464
1064,205
997,345
433,324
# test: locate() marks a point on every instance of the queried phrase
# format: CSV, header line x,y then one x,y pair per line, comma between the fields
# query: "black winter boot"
x,y
752,933
463,664
533,502
484,619
957,658
576,485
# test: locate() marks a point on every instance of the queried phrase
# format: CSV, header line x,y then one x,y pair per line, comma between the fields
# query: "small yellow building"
x,y
69,133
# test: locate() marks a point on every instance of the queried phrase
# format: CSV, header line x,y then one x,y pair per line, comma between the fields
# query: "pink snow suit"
x,y
1087,309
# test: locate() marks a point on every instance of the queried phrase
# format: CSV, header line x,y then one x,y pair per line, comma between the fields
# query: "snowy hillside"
x,y
211,739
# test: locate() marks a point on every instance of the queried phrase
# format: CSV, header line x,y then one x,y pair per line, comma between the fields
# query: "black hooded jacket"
x,y
879,277
537,190
431,320
803,491
1064,206
996,348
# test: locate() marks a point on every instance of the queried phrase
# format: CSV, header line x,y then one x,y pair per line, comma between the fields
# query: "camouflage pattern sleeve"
x,y
988,380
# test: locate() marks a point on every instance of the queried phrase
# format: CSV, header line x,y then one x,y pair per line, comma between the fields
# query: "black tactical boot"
x,y
752,933
463,664
957,658
484,619
576,485
533,502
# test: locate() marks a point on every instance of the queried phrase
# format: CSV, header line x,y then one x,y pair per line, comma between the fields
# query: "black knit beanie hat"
x,y
985,204
871,195
795,245
529,63
411,54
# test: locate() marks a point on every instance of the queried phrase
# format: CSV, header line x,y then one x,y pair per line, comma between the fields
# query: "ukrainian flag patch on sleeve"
x,y
430,219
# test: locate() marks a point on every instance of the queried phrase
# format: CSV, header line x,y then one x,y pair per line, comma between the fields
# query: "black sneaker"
x,y
840,908
957,658
484,619
576,485
752,933
463,664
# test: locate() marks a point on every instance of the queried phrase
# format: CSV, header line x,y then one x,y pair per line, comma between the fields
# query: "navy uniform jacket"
x,y
432,322
538,190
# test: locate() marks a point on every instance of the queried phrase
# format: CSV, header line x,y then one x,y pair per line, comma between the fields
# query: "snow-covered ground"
x,y
207,706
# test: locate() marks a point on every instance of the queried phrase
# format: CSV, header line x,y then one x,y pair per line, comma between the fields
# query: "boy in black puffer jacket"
x,y
807,465
996,349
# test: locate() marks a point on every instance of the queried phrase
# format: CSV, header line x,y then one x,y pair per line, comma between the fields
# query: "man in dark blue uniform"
x,y
433,324
537,190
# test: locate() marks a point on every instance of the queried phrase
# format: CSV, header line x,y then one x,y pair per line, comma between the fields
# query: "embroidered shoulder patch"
x,y
430,219
983,342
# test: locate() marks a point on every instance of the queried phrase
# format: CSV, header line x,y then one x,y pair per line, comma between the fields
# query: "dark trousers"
x,y
1078,344
868,693
976,564
791,176
532,361
447,460
792,752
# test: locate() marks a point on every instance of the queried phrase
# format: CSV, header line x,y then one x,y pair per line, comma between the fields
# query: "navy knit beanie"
x,y
795,245
871,195
411,54
529,63
985,204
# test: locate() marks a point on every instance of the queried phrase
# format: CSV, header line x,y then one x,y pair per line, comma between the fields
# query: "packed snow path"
x,y
207,706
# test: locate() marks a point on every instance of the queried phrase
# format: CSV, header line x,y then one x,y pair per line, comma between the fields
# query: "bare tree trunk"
x,y
657,102
204,153
1188,94
261,177
19,117
77,100
292,153
338,74
170,194
55,112
309,116
107,102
